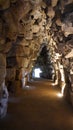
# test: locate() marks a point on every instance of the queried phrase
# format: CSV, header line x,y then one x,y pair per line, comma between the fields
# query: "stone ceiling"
x,y
26,24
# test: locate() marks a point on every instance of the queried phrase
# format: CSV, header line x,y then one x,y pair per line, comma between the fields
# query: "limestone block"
x,y
35,28
4,4
25,42
28,36
58,22
28,31
54,2
51,12
43,22
67,29
47,27
36,14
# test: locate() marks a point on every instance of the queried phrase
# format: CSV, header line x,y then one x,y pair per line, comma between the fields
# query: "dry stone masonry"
x,y
24,26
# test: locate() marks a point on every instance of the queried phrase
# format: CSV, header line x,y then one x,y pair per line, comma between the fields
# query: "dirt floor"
x,y
38,107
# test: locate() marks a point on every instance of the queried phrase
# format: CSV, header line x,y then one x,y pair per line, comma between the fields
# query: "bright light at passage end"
x,y
37,72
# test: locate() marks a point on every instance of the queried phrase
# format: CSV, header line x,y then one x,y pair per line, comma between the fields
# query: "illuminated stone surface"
x,y
26,24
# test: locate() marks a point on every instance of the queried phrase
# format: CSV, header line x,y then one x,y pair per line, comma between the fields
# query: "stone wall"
x,y
25,25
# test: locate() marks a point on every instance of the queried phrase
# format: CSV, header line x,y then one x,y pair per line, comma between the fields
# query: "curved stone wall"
x,y
25,25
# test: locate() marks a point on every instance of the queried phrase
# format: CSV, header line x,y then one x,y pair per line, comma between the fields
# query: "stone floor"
x,y
38,107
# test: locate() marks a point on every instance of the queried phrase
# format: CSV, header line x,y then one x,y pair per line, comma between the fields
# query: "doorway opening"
x,y
43,67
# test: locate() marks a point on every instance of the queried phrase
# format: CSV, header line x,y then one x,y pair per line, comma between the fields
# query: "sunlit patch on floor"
x,y
60,95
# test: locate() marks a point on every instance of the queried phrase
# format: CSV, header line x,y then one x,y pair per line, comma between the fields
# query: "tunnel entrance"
x,y
43,67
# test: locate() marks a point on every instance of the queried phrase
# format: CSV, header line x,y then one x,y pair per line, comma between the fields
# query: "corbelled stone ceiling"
x,y
25,25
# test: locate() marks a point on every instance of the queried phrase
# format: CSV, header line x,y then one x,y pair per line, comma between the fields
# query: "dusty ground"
x,y
38,108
